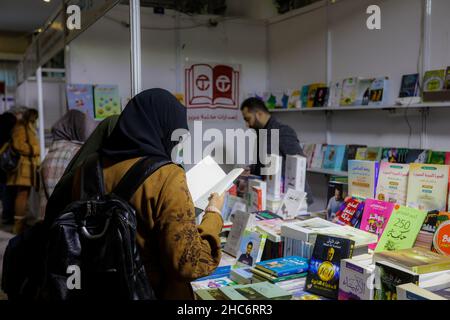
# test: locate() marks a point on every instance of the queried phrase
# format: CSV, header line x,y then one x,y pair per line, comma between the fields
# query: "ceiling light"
x,y
47,0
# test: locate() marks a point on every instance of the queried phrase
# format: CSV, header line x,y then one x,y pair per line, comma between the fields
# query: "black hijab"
x,y
145,127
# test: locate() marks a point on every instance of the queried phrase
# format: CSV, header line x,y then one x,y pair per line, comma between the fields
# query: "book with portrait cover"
x,y
324,271
251,248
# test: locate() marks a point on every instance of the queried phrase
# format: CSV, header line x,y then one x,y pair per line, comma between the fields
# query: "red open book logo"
x,y
213,87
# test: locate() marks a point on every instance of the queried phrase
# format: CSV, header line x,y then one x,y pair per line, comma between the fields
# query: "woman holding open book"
x,y
174,249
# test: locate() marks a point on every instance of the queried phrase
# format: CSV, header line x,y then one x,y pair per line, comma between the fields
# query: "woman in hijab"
x,y
174,249
69,134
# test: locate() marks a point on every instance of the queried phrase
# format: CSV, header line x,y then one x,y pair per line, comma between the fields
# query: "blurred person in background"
x,y
68,134
7,122
25,142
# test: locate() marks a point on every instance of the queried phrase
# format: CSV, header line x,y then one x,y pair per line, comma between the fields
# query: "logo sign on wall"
x,y
212,91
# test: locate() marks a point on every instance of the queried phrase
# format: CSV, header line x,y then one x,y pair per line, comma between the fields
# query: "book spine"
x,y
291,272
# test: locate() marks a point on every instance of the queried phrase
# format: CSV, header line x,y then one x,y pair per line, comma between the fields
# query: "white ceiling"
x,y
25,15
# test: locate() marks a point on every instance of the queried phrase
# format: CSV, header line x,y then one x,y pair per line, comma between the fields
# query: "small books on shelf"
x,y
335,158
362,178
375,217
324,271
335,94
319,153
410,86
349,91
434,80
363,93
207,177
402,229
393,182
428,186
285,266
379,92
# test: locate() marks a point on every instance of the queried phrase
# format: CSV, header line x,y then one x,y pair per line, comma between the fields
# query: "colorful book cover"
x,y
335,158
274,279
379,92
434,80
335,94
426,233
441,238
349,92
393,183
321,97
308,151
375,217
447,158
373,154
256,291
428,186
212,283
361,154
417,156
362,178
295,99
324,272
410,86
337,192
312,89
106,101
417,260
81,97
352,151
402,229
251,248
363,94
350,212
436,157
394,155
387,278
304,96
284,266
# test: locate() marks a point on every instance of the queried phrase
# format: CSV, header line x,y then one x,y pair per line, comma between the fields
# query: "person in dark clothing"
x,y
257,116
7,193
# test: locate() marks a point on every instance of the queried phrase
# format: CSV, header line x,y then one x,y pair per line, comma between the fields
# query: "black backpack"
x,y
91,250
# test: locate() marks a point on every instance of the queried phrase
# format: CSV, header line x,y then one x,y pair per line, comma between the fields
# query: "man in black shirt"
x,y
257,117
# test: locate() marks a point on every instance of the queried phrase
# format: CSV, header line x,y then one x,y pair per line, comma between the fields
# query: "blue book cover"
x,y
284,266
81,97
335,158
220,272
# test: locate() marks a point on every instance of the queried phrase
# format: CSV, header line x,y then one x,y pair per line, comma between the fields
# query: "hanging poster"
x,y
212,91
81,97
106,101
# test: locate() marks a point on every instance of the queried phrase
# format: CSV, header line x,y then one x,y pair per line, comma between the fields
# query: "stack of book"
x,y
417,266
281,269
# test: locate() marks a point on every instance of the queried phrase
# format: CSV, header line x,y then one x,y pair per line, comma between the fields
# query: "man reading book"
x,y
257,117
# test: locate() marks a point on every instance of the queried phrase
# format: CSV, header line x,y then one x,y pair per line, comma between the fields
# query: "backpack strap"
x,y
91,179
137,175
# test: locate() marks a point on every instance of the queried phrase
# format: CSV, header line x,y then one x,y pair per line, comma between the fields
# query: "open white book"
x,y
208,177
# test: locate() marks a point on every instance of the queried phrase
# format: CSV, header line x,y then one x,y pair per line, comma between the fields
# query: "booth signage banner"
x,y
212,91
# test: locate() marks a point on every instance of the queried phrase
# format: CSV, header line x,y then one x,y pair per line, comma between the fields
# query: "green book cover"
x,y
436,157
106,101
402,229
434,80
